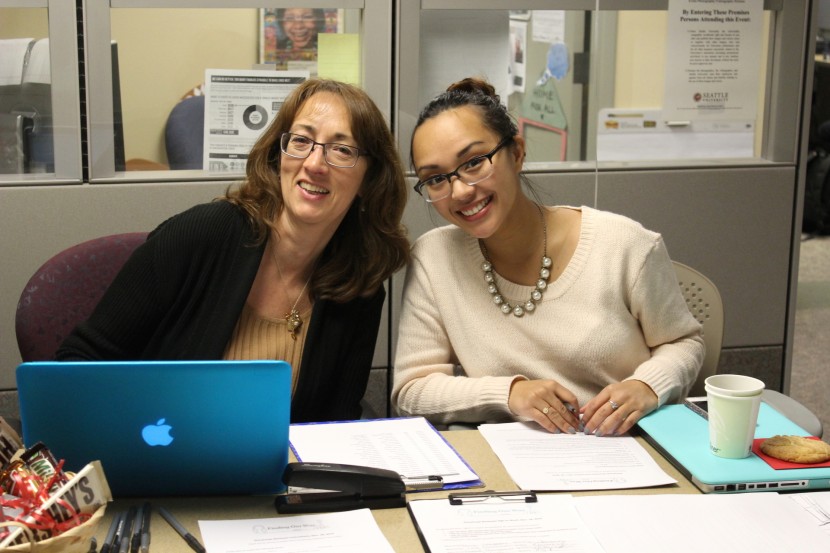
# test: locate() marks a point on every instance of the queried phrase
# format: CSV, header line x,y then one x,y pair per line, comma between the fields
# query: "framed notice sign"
x,y
714,59
239,106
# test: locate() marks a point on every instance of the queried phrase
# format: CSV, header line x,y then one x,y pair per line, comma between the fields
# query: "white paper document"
x,y
346,532
817,504
713,59
686,523
550,524
409,446
539,460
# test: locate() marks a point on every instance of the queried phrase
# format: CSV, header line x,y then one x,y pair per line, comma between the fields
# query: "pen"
x,y
144,543
106,547
125,531
135,532
182,531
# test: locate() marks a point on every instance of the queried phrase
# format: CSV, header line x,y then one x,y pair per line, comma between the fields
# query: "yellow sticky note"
x,y
338,57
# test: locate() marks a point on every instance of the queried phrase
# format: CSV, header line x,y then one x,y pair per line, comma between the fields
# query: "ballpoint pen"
x,y
135,533
106,547
144,543
182,531
126,531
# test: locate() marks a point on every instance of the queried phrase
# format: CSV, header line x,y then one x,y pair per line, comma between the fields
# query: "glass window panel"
x,y
26,132
632,85
566,69
544,81
548,61
157,73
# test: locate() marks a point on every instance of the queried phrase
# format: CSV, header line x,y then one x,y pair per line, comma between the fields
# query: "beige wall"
x,y
172,48
24,23
641,59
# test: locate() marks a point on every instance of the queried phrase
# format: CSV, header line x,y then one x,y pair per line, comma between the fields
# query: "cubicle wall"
x,y
737,220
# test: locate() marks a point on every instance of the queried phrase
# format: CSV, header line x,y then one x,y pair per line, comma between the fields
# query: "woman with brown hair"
x,y
288,265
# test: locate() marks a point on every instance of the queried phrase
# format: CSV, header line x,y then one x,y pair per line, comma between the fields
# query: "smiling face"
x,y
300,26
453,137
314,192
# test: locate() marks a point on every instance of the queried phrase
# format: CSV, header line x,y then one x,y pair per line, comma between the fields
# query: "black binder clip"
x,y
466,498
350,487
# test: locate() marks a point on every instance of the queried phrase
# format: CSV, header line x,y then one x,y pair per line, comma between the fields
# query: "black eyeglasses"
x,y
336,155
471,172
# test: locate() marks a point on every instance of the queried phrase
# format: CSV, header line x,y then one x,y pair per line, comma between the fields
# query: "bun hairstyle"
x,y
475,92
473,85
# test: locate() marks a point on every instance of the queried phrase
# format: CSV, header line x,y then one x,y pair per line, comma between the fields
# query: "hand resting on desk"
x,y
546,402
618,407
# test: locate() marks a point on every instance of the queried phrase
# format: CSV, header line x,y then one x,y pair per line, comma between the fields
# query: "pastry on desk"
x,y
797,449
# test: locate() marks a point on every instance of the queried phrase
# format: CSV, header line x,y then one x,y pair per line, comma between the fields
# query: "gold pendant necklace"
x,y
292,318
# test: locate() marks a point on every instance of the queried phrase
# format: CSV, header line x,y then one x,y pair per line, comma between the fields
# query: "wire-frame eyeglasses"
x,y
471,172
335,154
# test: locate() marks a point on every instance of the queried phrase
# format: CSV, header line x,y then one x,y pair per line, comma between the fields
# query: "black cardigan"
x,y
180,295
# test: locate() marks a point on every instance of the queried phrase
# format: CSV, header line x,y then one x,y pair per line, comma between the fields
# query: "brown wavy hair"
x,y
370,244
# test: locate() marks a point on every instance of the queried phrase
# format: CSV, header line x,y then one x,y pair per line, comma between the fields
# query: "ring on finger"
x,y
614,404
546,410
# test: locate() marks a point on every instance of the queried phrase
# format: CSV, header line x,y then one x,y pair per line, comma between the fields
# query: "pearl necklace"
x,y
529,306
292,318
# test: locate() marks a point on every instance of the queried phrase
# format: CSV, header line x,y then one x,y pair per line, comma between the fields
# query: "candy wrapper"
x,y
45,509
10,443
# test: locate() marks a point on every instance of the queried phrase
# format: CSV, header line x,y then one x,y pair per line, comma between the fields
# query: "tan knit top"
x,y
260,337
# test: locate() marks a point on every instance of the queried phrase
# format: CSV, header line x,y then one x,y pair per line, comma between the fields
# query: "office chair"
x,y
705,303
64,291
183,133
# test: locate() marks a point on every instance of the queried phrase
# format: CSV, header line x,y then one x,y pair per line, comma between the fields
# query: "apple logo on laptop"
x,y
157,434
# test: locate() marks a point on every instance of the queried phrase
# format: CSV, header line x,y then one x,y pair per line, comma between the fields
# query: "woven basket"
x,y
74,540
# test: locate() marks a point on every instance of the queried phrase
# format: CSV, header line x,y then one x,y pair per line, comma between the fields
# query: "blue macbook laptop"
x,y
682,436
163,428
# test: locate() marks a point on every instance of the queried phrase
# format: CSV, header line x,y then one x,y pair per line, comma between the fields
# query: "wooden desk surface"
x,y
395,523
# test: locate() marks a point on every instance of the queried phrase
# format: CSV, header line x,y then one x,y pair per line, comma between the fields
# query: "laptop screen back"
x,y
163,428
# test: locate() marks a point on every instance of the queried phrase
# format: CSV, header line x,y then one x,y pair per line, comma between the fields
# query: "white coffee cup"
x,y
734,385
733,404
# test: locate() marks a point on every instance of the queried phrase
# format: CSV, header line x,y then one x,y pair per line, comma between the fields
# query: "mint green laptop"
x,y
682,436
163,428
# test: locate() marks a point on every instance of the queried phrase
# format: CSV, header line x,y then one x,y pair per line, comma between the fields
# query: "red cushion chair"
x,y
65,290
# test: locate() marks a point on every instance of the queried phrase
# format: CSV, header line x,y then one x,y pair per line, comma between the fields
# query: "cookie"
x,y
796,449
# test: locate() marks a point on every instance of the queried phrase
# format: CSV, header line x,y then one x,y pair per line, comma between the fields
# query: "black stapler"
x,y
352,487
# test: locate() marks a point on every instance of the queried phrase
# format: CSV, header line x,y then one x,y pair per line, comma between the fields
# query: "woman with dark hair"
x,y
288,265
524,311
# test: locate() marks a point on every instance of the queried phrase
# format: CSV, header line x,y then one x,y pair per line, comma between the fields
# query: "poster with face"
x,y
288,36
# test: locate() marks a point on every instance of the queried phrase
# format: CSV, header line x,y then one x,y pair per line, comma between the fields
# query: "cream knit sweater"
x,y
615,313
